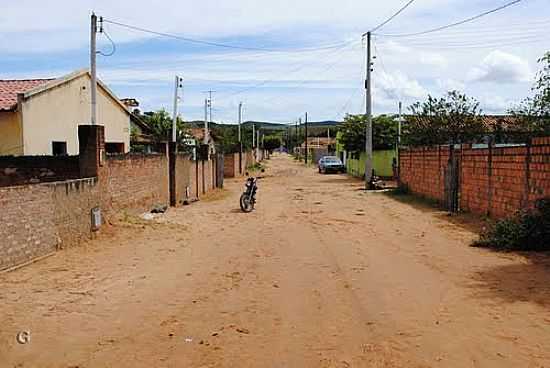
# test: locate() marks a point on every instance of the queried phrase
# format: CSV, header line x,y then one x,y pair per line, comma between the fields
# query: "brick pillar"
x,y
91,142
172,153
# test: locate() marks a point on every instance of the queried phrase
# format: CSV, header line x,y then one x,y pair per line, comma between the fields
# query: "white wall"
x,y
54,115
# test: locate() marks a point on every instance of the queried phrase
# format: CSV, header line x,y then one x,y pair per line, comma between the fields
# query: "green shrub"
x,y
527,231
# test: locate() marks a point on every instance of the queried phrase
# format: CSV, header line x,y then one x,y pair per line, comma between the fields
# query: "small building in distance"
x,y
41,116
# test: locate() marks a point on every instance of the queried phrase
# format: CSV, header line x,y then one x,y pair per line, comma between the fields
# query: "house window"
x,y
59,148
112,147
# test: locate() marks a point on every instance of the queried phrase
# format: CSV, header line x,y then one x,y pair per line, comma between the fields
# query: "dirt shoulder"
x,y
321,274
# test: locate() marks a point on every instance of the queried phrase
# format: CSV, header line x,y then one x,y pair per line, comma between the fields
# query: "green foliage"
x,y
272,142
226,138
454,118
527,231
160,123
384,132
533,114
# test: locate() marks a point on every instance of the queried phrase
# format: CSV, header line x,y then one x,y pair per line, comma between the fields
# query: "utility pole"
x,y
205,138
368,115
399,123
300,134
253,136
258,143
296,131
306,140
177,86
208,109
93,70
240,141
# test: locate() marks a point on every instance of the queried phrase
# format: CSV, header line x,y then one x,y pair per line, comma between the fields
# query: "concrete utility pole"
x,y
208,109
177,86
93,71
253,136
296,131
368,115
306,140
258,143
205,138
399,123
240,141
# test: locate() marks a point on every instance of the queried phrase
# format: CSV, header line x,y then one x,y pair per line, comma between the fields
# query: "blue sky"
x,y
492,59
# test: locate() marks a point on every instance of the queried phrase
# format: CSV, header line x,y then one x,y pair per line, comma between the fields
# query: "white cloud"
x,y
400,85
501,67
433,59
450,84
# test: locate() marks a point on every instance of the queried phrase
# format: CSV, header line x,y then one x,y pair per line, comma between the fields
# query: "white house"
x,y
41,116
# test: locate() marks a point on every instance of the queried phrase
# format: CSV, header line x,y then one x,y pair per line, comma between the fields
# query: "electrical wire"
x,y
113,45
464,21
218,44
266,81
391,18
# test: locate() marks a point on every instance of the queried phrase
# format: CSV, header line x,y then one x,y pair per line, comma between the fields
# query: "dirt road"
x,y
321,274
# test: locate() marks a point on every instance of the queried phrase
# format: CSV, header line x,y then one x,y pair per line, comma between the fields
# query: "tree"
x,y
160,123
532,116
272,142
384,132
454,118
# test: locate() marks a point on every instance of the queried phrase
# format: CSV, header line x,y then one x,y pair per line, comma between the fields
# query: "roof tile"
x,y
10,88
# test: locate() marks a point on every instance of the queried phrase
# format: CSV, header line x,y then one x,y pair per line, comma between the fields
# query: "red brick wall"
x,y
423,170
495,182
38,219
134,181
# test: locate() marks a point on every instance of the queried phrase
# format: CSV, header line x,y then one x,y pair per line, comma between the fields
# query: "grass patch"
x,y
258,166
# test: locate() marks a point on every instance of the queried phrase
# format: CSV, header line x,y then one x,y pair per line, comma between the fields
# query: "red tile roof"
x,y
10,88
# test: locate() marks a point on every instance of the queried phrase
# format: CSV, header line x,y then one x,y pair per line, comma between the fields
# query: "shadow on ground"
x,y
467,221
528,280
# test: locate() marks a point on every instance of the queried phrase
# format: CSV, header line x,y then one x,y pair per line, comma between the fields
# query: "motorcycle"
x,y
248,198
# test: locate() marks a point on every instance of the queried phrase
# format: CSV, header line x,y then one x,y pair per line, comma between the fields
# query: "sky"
x,y
312,56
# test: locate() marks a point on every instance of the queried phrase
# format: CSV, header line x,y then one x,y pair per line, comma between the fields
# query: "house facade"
x,y
41,116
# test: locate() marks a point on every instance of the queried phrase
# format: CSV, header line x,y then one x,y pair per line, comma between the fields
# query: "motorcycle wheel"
x,y
246,204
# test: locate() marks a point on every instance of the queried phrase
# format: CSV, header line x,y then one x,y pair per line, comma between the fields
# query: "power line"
x,y
218,44
113,45
464,21
266,81
391,18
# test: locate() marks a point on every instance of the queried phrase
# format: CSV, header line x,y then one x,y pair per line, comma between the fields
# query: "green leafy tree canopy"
x,y
453,118
532,116
384,132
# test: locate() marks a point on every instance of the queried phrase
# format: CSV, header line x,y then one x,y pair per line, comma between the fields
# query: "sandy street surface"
x,y
321,274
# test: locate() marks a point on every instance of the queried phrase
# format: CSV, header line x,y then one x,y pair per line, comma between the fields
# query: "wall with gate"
x,y
492,180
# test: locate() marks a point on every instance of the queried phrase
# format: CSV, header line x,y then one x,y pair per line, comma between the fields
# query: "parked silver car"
x,y
331,164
